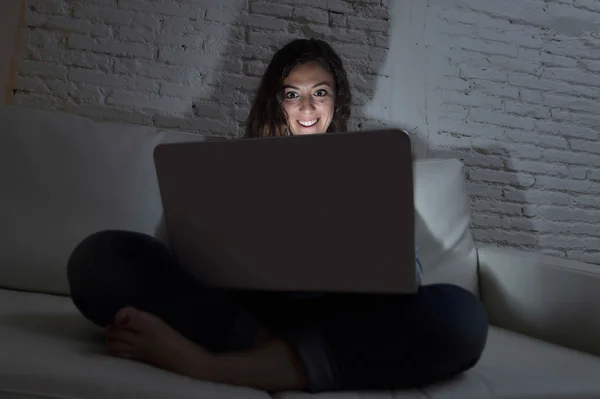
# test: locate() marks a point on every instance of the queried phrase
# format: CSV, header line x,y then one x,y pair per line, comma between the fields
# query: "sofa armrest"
x,y
546,297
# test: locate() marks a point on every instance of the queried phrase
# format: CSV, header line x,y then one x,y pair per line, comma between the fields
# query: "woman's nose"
x,y
307,103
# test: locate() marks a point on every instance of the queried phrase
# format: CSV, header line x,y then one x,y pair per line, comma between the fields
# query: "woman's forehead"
x,y
308,73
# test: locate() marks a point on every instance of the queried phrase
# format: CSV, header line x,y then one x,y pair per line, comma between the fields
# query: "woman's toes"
x,y
123,316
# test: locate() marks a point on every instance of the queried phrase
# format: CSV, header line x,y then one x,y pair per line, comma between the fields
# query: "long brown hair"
x,y
267,116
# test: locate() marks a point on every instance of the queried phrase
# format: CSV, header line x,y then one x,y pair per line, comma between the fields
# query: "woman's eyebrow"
x,y
324,83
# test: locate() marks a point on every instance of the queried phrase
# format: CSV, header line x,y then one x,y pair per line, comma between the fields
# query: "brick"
x,y
531,96
42,69
567,157
255,68
163,7
483,47
46,39
30,84
110,80
496,207
337,20
265,39
209,109
571,102
594,175
116,17
524,109
311,15
544,84
513,238
560,213
111,47
517,179
538,139
183,90
586,121
264,22
73,58
151,69
276,10
546,59
494,89
471,100
590,65
189,58
33,100
501,119
484,190
367,24
490,74
67,25
454,84
561,241
573,75
516,65
569,130
339,6
73,92
52,7
539,197
220,14
165,104
587,146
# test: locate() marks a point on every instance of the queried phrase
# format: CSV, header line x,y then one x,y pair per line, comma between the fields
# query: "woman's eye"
x,y
321,93
290,94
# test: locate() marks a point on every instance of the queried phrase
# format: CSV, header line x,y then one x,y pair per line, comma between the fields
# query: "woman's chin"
x,y
306,131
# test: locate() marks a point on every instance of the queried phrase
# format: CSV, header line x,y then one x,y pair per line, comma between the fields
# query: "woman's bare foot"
x,y
144,337
271,365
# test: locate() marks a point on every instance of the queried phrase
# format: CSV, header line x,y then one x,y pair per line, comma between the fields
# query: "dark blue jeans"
x,y
345,341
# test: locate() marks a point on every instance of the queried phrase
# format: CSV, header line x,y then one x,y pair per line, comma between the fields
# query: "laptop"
x,y
313,213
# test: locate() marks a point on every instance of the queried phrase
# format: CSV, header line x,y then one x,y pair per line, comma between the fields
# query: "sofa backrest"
x,y
63,177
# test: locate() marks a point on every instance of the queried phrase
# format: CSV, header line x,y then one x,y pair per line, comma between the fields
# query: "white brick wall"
x,y
513,88
184,64
510,87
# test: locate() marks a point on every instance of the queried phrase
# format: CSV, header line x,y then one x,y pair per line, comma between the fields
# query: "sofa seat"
x,y
48,350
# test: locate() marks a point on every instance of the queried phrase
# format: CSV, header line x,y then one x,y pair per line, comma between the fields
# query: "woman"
x,y
156,313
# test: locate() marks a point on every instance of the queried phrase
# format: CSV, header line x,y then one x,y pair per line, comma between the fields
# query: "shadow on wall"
x,y
226,83
497,189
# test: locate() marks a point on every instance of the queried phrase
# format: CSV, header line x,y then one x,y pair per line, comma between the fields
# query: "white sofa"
x,y
63,177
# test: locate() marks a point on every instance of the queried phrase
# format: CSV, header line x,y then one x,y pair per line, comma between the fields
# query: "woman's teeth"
x,y
308,123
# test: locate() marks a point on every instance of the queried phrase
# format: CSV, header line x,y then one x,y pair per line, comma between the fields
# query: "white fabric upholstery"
x,y
554,299
47,349
513,366
442,219
70,177
64,177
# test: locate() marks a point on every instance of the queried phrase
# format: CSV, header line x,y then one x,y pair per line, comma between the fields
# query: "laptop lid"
x,y
317,213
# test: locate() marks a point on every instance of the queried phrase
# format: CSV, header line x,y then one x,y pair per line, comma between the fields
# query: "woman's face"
x,y
309,99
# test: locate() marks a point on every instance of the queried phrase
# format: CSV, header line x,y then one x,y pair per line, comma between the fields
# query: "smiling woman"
x,y
156,312
304,90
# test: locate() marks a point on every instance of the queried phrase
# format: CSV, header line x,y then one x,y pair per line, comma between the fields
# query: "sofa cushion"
x,y
47,350
64,177
513,366
446,247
